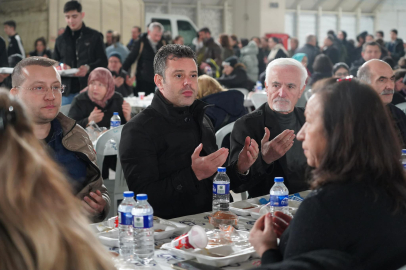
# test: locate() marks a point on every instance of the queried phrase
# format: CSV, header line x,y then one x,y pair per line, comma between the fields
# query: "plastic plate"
x,y
239,207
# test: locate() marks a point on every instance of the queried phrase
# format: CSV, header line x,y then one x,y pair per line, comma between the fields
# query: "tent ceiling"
x,y
366,6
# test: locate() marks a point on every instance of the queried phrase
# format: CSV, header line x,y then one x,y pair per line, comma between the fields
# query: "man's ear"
x,y
159,81
14,91
83,15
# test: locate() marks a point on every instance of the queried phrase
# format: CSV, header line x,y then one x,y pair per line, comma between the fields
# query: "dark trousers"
x,y
144,86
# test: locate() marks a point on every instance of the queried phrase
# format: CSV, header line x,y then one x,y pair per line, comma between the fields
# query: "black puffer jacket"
x,y
237,79
82,106
89,51
145,65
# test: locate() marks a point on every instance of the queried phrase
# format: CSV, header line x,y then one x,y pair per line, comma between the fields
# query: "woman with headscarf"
x,y
302,58
98,101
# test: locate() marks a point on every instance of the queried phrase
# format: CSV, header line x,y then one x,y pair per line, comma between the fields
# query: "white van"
x,y
177,25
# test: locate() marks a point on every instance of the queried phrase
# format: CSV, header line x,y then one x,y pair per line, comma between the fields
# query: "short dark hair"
x,y
72,5
244,42
234,37
11,23
354,119
400,74
139,28
344,34
205,29
380,33
322,64
17,76
387,59
371,43
109,31
42,39
170,52
394,31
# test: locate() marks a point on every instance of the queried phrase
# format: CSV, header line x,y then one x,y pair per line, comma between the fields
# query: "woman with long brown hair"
x,y
226,49
41,223
358,205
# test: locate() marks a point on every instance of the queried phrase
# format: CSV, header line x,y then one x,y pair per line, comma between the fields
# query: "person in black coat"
x,y
342,35
40,46
15,44
234,75
322,68
169,150
358,50
310,50
122,81
143,52
330,50
78,47
347,159
3,61
395,46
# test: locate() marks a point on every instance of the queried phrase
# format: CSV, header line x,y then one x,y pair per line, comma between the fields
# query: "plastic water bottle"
x,y
125,225
221,191
279,197
404,158
143,229
258,86
209,72
115,121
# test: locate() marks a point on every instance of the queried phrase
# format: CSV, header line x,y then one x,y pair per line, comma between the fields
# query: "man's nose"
x,y
50,95
282,91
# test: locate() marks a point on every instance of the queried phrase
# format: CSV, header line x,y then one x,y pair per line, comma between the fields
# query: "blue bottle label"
x,y
125,218
143,222
279,200
115,123
221,189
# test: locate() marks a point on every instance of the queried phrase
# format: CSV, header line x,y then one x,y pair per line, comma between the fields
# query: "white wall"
x,y
392,14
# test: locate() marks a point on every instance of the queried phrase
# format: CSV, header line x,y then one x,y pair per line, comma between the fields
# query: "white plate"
x,y
6,70
68,72
233,253
238,207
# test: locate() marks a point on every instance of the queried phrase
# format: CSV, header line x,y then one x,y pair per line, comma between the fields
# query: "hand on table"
x,y
276,148
248,155
281,222
262,236
204,167
126,110
83,69
96,115
118,81
130,80
94,205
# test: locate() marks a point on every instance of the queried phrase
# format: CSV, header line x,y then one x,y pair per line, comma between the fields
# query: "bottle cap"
x,y
142,197
221,169
115,113
403,151
278,179
128,194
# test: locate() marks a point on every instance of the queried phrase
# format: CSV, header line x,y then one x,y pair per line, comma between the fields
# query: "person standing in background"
x,y
15,44
294,44
234,44
135,34
395,46
109,38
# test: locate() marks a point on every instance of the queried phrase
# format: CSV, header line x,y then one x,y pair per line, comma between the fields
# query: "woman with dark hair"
x,y
40,46
358,205
322,68
277,49
341,70
226,49
234,45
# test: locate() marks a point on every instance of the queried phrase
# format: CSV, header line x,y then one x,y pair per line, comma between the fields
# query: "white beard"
x,y
282,105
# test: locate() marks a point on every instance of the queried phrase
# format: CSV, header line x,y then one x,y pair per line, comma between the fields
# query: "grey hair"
x,y
287,62
156,25
364,74
309,38
18,78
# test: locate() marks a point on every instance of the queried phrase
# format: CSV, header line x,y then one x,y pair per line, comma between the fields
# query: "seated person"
x,y
275,124
322,68
168,151
122,81
347,159
42,225
98,101
235,75
38,85
341,70
40,46
302,58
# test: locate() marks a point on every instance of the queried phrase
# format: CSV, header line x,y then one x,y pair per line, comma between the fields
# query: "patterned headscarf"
x,y
104,76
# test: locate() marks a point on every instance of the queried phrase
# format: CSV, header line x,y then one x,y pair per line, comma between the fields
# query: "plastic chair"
x,y
224,131
258,99
402,106
65,109
120,185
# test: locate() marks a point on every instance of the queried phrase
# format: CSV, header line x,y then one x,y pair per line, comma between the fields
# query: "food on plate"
x,y
223,217
159,230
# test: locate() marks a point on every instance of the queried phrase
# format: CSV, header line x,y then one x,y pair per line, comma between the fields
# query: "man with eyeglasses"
x,y
38,85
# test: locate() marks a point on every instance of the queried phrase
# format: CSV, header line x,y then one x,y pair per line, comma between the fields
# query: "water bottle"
x,y
209,72
143,229
221,191
115,121
258,86
403,159
279,197
125,227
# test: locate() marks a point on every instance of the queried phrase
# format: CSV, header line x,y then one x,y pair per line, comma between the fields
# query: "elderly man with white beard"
x,y
275,124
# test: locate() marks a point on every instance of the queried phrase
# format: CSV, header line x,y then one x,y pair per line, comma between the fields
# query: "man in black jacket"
x,y
395,46
3,62
143,52
342,35
169,151
275,124
380,76
234,75
78,47
310,50
331,50
15,45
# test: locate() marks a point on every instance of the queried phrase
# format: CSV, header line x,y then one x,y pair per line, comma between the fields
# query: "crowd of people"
x,y
346,145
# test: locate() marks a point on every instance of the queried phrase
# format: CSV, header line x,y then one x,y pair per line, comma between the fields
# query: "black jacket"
x,y
262,174
333,53
351,217
155,152
90,51
125,90
15,46
82,106
398,98
350,51
3,53
316,76
355,66
45,52
145,65
399,119
311,52
397,49
237,79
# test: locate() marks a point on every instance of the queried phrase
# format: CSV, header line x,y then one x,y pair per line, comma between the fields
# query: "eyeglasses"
x,y
42,90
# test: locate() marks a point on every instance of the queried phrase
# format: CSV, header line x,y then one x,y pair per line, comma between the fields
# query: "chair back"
x,y
258,99
104,148
402,106
65,109
224,131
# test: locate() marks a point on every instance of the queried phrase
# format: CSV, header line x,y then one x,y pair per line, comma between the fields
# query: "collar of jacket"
x,y
160,104
84,30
